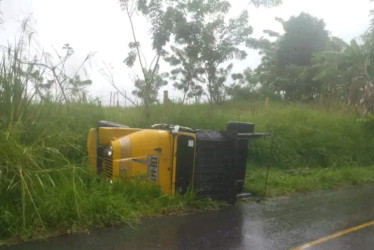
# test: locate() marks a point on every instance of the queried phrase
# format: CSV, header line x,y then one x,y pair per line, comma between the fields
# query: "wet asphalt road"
x,y
279,223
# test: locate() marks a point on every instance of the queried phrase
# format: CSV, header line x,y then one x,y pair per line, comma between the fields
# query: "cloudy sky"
x,y
101,27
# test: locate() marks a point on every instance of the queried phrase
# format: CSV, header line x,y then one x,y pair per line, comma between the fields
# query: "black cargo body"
x,y
221,160
216,163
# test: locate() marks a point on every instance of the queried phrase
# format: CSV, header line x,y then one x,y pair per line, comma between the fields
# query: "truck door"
x,y
185,156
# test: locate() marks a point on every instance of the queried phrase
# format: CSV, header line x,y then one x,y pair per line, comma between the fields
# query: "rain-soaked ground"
x,y
279,223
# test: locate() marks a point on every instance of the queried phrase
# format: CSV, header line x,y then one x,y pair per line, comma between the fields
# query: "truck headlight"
x,y
109,151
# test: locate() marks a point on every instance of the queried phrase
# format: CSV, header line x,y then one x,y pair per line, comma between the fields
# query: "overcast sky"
x,y
101,27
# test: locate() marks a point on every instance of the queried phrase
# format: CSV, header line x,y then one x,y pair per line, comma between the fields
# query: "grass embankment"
x,y
289,181
45,184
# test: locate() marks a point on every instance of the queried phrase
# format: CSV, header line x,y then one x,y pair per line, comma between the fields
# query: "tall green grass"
x,y
313,137
285,182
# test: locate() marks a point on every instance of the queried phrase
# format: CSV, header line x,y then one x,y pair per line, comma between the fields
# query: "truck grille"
x,y
108,166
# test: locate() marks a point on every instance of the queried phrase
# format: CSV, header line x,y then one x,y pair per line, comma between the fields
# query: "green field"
x,y
46,186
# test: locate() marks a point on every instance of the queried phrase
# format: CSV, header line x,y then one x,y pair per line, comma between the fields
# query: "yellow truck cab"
x,y
211,163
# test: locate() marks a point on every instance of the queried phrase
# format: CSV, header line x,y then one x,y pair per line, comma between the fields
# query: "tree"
x,y
329,66
51,80
204,41
266,3
304,35
244,85
186,74
149,89
347,71
286,62
196,38
149,84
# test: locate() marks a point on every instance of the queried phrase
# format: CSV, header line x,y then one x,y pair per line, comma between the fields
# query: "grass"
x,y
285,182
78,201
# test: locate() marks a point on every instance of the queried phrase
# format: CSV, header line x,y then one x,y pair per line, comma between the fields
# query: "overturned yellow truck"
x,y
210,163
